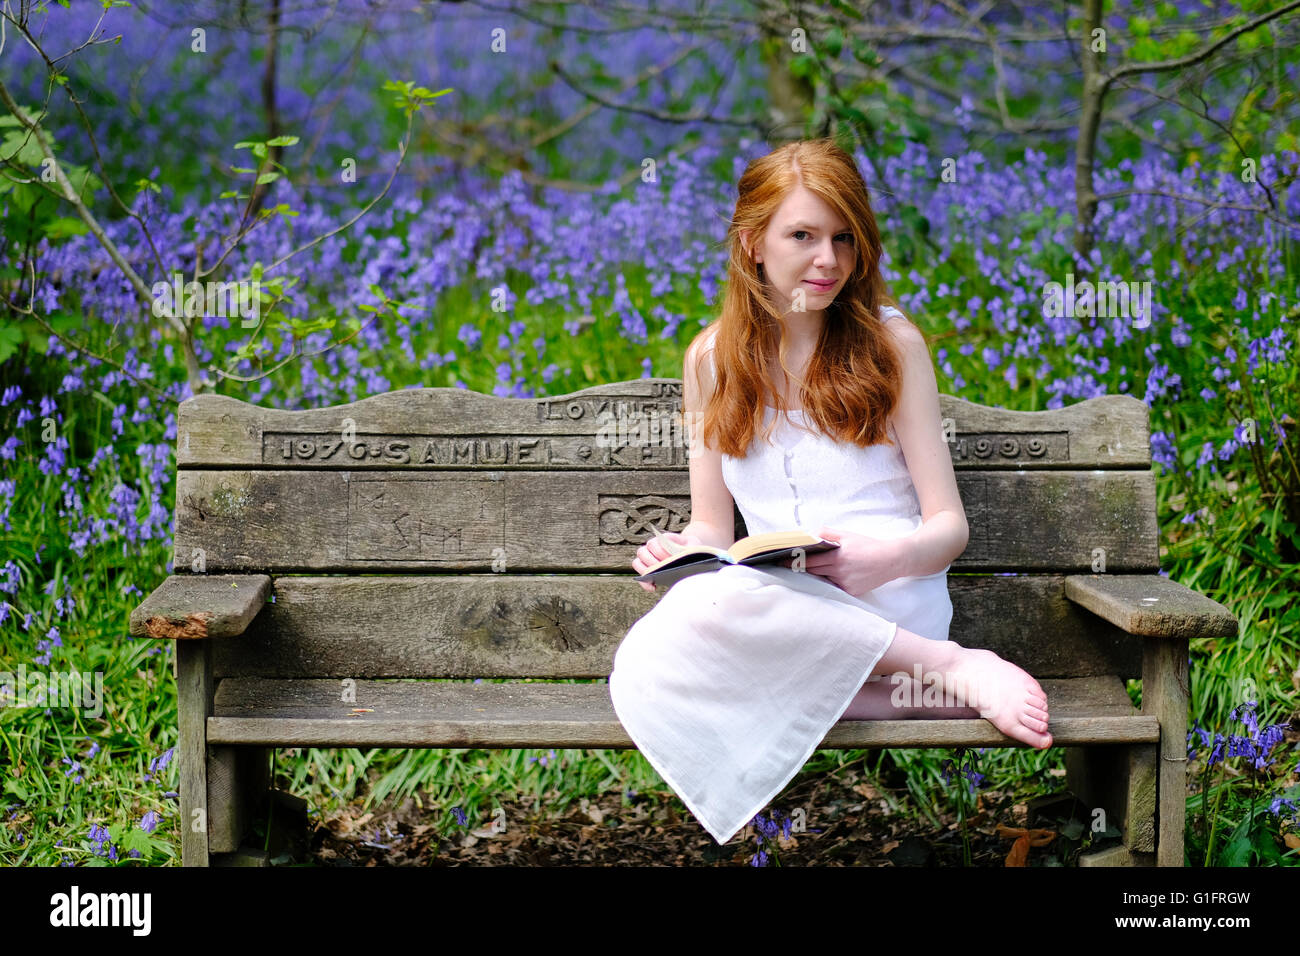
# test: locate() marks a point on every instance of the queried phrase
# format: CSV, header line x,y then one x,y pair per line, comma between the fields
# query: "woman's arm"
x,y
713,515
918,425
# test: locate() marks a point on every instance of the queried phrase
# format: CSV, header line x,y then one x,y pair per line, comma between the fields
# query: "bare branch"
x,y
53,70
1187,197
70,194
75,346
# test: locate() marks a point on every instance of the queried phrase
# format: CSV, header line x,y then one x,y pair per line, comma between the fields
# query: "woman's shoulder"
x,y
903,329
701,347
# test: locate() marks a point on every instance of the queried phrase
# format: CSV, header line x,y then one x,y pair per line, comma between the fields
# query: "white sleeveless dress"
x,y
731,681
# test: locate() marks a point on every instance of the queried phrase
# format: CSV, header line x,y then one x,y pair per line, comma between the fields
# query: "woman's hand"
x,y
653,551
859,565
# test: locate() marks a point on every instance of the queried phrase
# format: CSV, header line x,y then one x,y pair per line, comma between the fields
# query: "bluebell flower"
x,y
161,762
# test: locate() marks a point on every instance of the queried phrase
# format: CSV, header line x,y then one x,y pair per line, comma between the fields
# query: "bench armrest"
x,y
1149,605
201,605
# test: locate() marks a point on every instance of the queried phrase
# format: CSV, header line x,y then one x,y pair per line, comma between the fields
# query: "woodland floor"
x,y
856,826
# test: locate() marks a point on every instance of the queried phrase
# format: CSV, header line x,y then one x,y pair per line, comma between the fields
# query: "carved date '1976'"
x,y
398,451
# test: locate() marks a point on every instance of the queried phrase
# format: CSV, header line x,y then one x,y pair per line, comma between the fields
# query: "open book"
x,y
754,550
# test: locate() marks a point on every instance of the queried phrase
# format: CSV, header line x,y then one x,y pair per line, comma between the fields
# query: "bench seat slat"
x,y
309,713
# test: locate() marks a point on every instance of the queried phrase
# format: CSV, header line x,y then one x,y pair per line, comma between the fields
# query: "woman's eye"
x,y
846,236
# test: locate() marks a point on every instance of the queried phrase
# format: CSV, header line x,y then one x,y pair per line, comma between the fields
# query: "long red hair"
x,y
855,373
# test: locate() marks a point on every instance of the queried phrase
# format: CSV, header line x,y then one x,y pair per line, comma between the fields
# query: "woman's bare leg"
x,y
900,697
985,684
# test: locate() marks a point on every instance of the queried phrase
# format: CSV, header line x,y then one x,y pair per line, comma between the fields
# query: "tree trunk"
x,y
269,106
1091,99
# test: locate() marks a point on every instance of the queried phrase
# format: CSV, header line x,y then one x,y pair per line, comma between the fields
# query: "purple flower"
x,y
161,762
149,822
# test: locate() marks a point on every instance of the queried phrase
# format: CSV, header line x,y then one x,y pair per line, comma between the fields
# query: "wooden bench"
x,y
439,535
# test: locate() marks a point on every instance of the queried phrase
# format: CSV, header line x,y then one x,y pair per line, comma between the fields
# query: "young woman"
x,y
729,683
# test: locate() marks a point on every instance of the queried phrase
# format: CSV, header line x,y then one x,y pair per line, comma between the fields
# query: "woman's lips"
x,y
821,285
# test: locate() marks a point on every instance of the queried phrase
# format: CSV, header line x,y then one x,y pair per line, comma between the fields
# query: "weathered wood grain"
x,y
1121,781
309,713
283,521
633,424
194,694
1165,667
238,781
1118,855
1151,605
570,627
189,606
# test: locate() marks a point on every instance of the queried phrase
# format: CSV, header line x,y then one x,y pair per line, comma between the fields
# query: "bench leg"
x,y
288,825
1165,665
194,690
1121,781
238,781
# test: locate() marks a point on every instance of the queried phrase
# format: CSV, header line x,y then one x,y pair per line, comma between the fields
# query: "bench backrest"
x,y
484,536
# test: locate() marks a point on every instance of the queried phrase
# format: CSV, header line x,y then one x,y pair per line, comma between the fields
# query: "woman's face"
x,y
805,241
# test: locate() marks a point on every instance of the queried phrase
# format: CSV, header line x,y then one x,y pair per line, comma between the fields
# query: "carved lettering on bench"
x,y
627,519
590,409
987,447
641,442
424,519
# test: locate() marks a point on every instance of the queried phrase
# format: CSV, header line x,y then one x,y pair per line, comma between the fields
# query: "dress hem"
x,y
839,713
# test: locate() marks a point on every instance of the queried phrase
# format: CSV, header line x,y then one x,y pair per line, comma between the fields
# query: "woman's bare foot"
x,y
1005,695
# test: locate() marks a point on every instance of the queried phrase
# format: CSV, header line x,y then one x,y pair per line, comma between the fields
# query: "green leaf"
x,y
267,178
22,148
835,41
283,141
65,226
136,839
1239,848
